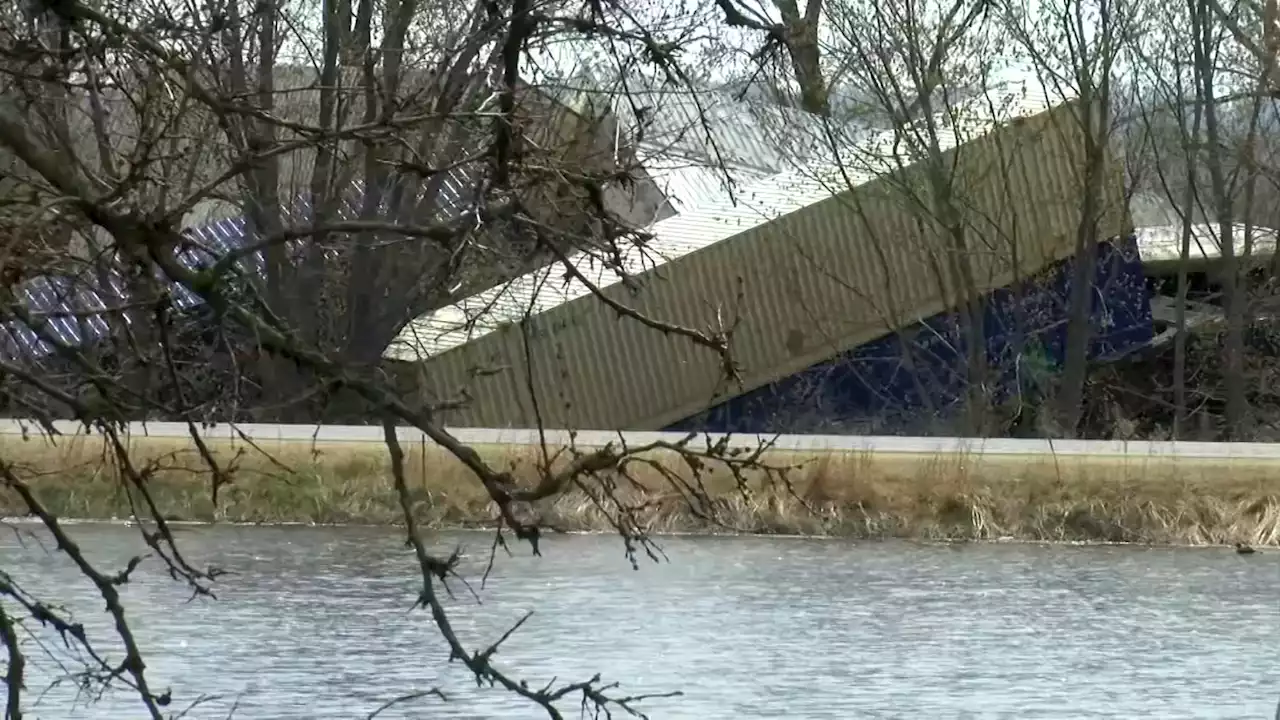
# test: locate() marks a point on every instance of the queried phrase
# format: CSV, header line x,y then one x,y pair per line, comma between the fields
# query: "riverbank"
x,y
1038,498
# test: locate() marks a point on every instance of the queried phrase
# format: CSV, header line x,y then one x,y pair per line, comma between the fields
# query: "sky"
x,y
716,54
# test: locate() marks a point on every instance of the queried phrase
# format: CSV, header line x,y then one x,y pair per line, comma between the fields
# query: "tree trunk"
x,y
806,54
1233,344
1184,260
1095,121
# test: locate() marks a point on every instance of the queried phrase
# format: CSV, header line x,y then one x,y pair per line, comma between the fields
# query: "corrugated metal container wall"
x,y
829,277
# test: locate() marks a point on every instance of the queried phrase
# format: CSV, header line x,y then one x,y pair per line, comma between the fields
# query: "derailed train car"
x,y
813,263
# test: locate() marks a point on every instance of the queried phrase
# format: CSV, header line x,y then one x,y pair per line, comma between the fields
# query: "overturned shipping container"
x,y
812,262
916,381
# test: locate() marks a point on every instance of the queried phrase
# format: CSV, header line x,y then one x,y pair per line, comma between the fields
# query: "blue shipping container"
x,y
907,382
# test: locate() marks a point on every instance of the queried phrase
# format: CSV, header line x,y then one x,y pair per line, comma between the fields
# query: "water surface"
x,y
317,623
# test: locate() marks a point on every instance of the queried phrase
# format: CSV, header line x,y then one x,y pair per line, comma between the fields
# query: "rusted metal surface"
x,y
811,266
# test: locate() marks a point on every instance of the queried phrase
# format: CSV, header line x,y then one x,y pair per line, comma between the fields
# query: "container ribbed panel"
x,y
825,277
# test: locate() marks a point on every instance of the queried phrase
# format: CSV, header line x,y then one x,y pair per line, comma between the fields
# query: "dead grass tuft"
x,y
857,495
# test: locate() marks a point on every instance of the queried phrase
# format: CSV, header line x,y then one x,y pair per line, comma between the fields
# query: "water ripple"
x,y
317,623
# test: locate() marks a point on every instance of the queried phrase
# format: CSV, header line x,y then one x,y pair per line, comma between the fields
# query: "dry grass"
x,y
1032,497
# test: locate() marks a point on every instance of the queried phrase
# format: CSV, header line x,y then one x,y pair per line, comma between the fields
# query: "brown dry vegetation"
x,y
867,496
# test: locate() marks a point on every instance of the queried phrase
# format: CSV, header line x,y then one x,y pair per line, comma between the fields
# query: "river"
x,y
317,623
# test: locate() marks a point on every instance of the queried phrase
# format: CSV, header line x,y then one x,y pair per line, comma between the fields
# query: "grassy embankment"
x,y
1030,498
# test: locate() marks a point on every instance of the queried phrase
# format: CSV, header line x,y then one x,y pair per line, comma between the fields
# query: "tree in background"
x,y
1076,46
318,134
1099,52
1207,112
910,67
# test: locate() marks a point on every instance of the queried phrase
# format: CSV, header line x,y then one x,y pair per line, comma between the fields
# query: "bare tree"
x,y
383,159
1185,140
1076,47
923,70
1205,39
374,121
1214,94
792,44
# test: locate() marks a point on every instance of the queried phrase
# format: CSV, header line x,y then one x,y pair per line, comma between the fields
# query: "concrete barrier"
x,y
328,434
